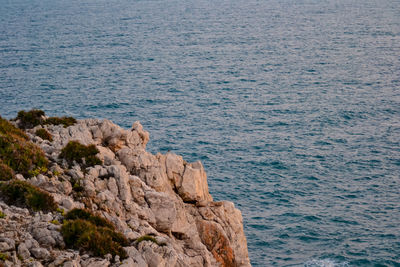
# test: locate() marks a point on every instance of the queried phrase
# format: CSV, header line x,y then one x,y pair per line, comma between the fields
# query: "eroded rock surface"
x,y
142,194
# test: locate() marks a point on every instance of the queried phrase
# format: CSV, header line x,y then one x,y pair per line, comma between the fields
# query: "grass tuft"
x,y
44,134
23,194
2,215
146,238
7,128
86,155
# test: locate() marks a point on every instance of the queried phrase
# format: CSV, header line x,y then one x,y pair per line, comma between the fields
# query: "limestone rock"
x,y
212,235
135,258
175,168
95,262
40,253
35,264
140,193
194,185
23,251
6,244
163,208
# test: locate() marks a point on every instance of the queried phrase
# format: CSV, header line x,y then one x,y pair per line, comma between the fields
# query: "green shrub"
x,y
37,171
6,173
17,152
2,215
55,222
4,257
44,134
34,117
66,121
30,119
88,216
86,231
75,151
23,194
61,211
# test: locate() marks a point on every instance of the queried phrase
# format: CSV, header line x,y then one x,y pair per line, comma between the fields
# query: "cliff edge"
x,y
159,203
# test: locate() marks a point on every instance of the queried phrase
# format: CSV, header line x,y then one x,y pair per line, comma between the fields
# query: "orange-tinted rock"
x,y
213,237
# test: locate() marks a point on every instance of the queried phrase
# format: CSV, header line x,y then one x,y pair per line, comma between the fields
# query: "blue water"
x,y
293,106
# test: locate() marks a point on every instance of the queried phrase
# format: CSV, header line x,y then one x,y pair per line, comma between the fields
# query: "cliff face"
x,y
143,195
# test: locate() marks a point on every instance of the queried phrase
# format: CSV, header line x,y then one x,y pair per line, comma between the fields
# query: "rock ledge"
x,y
162,196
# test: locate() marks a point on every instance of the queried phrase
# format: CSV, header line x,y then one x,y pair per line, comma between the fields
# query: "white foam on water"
x,y
325,263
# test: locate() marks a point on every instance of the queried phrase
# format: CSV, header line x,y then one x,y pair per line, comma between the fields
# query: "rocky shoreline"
x,y
160,203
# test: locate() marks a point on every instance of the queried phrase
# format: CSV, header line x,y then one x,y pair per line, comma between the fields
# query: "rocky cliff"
x,y
160,203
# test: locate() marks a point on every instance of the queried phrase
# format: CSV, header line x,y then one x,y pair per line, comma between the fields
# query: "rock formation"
x,y
161,196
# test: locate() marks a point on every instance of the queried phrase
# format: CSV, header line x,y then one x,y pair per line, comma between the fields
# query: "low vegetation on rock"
x,y
23,194
88,232
30,119
34,117
86,155
88,216
66,121
160,203
6,173
146,238
44,134
17,152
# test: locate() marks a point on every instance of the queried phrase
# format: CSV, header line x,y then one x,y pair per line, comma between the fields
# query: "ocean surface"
x,y
293,106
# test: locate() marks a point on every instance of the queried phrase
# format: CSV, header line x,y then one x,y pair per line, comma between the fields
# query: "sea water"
x,y
293,106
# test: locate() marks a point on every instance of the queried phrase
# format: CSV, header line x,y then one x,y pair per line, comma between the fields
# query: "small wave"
x,y
325,263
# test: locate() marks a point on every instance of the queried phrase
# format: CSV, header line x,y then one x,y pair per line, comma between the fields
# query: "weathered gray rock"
x,y
152,258
43,235
72,263
135,258
23,251
122,179
106,155
34,264
40,253
6,244
163,208
95,262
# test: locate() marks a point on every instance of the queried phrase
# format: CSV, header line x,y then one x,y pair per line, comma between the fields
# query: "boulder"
x,y
163,208
194,185
40,253
23,251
